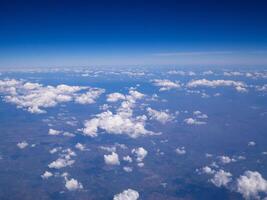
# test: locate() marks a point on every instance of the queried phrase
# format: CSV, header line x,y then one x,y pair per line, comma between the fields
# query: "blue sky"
x,y
66,33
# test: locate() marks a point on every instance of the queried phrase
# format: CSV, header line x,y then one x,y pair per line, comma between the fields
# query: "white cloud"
x,y
208,170
262,88
73,185
140,153
251,184
22,144
128,194
122,122
251,143
80,146
46,175
161,116
112,159
64,160
221,178
90,96
182,73
180,150
60,163
165,84
239,86
113,97
53,132
128,159
128,169
200,115
226,159
35,97
191,121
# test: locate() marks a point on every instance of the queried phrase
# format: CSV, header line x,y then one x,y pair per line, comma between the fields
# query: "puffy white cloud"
x,y
262,88
46,175
161,116
80,146
180,150
182,73
64,160
221,178
60,163
53,132
127,158
191,121
251,184
35,97
128,194
226,159
239,86
73,184
22,144
165,84
113,97
90,96
140,153
251,143
112,159
208,170
128,169
200,115
122,122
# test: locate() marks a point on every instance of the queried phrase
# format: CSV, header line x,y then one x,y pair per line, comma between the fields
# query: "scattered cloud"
x,y
221,178
165,84
128,194
239,86
22,144
180,150
34,97
46,175
250,184
140,153
73,184
191,121
161,116
112,159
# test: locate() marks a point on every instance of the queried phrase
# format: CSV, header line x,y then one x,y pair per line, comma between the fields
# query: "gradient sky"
x,y
67,33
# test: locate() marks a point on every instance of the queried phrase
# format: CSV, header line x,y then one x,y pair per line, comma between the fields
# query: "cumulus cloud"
x,y
180,150
191,121
161,116
221,178
112,159
128,169
64,160
35,97
226,159
239,86
22,144
140,153
128,194
113,97
53,132
252,143
46,175
165,84
73,184
90,96
182,73
208,170
121,122
80,146
250,184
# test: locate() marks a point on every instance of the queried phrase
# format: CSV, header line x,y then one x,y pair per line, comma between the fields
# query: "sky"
x,y
75,33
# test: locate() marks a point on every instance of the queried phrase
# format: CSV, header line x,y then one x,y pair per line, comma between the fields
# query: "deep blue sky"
x,y
65,33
